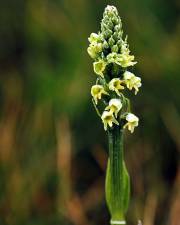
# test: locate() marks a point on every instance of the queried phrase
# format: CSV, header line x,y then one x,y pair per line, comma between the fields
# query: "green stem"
x,y
97,111
117,179
115,138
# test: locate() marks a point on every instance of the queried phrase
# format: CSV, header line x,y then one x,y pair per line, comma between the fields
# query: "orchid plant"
x,y
113,66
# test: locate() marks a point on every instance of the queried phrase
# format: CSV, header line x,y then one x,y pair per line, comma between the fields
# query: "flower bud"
x,y
111,41
111,23
105,44
114,48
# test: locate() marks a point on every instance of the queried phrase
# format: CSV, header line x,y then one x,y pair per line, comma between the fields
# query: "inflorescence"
x,y
112,64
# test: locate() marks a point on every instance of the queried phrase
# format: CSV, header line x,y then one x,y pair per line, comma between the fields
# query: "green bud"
x,y
114,48
111,41
115,36
111,26
105,44
106,17
104,27
117,27
119,43
115,20
107,34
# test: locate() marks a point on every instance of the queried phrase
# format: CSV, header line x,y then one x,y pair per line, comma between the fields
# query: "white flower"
x,y
116,85
114,106
99,67
132,122
97,91
108,119
132,81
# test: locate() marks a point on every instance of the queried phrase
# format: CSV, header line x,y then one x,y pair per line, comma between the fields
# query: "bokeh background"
x,y
53,149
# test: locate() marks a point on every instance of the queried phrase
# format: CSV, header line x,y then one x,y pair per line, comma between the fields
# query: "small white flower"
x,y
99,67
132,122
108,119
132,81
116,85
114,106
97,91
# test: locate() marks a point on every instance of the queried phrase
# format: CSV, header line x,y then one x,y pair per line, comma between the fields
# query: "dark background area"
x,y
53,149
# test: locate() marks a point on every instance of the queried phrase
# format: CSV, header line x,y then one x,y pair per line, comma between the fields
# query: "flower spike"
x,y
112,59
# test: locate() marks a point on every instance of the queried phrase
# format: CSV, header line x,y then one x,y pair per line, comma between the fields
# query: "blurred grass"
x,y
53,149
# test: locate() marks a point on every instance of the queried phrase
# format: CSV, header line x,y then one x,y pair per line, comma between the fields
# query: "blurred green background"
x,y
53,148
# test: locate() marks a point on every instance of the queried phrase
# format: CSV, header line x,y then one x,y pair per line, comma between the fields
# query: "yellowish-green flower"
x,y
99,67
94,38
114,106
94,49
132,81
116,85
97,91
113,57
125,59
108,119
132,122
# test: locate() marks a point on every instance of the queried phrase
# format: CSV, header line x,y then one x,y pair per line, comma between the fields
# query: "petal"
x,y
115,121
99,67
107,107
117,92
105,126
110,123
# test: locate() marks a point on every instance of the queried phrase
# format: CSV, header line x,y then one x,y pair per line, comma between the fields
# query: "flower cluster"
x,y
112,64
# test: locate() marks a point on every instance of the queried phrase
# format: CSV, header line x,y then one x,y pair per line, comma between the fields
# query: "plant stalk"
x,y
117,179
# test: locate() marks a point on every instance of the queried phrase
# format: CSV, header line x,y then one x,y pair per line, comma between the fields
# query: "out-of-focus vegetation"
x,y
53,148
